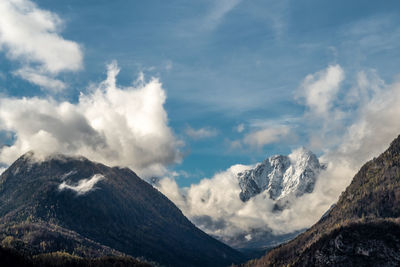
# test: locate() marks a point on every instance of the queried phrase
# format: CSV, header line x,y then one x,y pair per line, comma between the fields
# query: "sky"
x,y
186,90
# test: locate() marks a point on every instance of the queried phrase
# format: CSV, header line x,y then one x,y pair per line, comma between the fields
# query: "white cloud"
x,y
44,81
31,36
319,90
325,116
264,132
200,133
350,134
373,125
376,123
2,170
83,186
216,199
262,137
113,125
170,188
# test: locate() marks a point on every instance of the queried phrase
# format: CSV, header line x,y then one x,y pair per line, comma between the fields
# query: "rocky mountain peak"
x,y
281,176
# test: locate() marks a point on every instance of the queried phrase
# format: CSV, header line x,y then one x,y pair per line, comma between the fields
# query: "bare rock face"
x,y
281,177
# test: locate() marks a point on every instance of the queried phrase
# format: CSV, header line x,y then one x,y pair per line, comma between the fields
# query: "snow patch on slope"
x,y
83,186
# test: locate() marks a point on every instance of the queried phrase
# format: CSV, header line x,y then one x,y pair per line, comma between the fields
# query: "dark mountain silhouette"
x,y
90,210
362,229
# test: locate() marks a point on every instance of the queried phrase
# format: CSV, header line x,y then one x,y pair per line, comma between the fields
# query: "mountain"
x,y
362,229
281,177
87,209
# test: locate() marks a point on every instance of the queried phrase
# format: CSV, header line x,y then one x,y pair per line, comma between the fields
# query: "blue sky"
x,y
222,64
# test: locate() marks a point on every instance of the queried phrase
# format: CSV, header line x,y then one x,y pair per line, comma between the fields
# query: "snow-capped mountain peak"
x,y
281,176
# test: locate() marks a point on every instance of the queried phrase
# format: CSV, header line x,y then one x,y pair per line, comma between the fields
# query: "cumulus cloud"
x,y
369,122
376,123
200,133
2,170
260,133
320,89
260,138
215,199
124,126
321,93
83,186
42,80
31,36
367,129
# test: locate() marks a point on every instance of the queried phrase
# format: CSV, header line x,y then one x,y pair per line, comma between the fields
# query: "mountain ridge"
x,y
120,211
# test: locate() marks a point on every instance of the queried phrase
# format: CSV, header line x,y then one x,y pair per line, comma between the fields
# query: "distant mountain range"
x,y
87,209
362,229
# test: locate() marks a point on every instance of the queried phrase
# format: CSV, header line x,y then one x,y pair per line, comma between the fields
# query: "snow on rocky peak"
x,y
281,177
